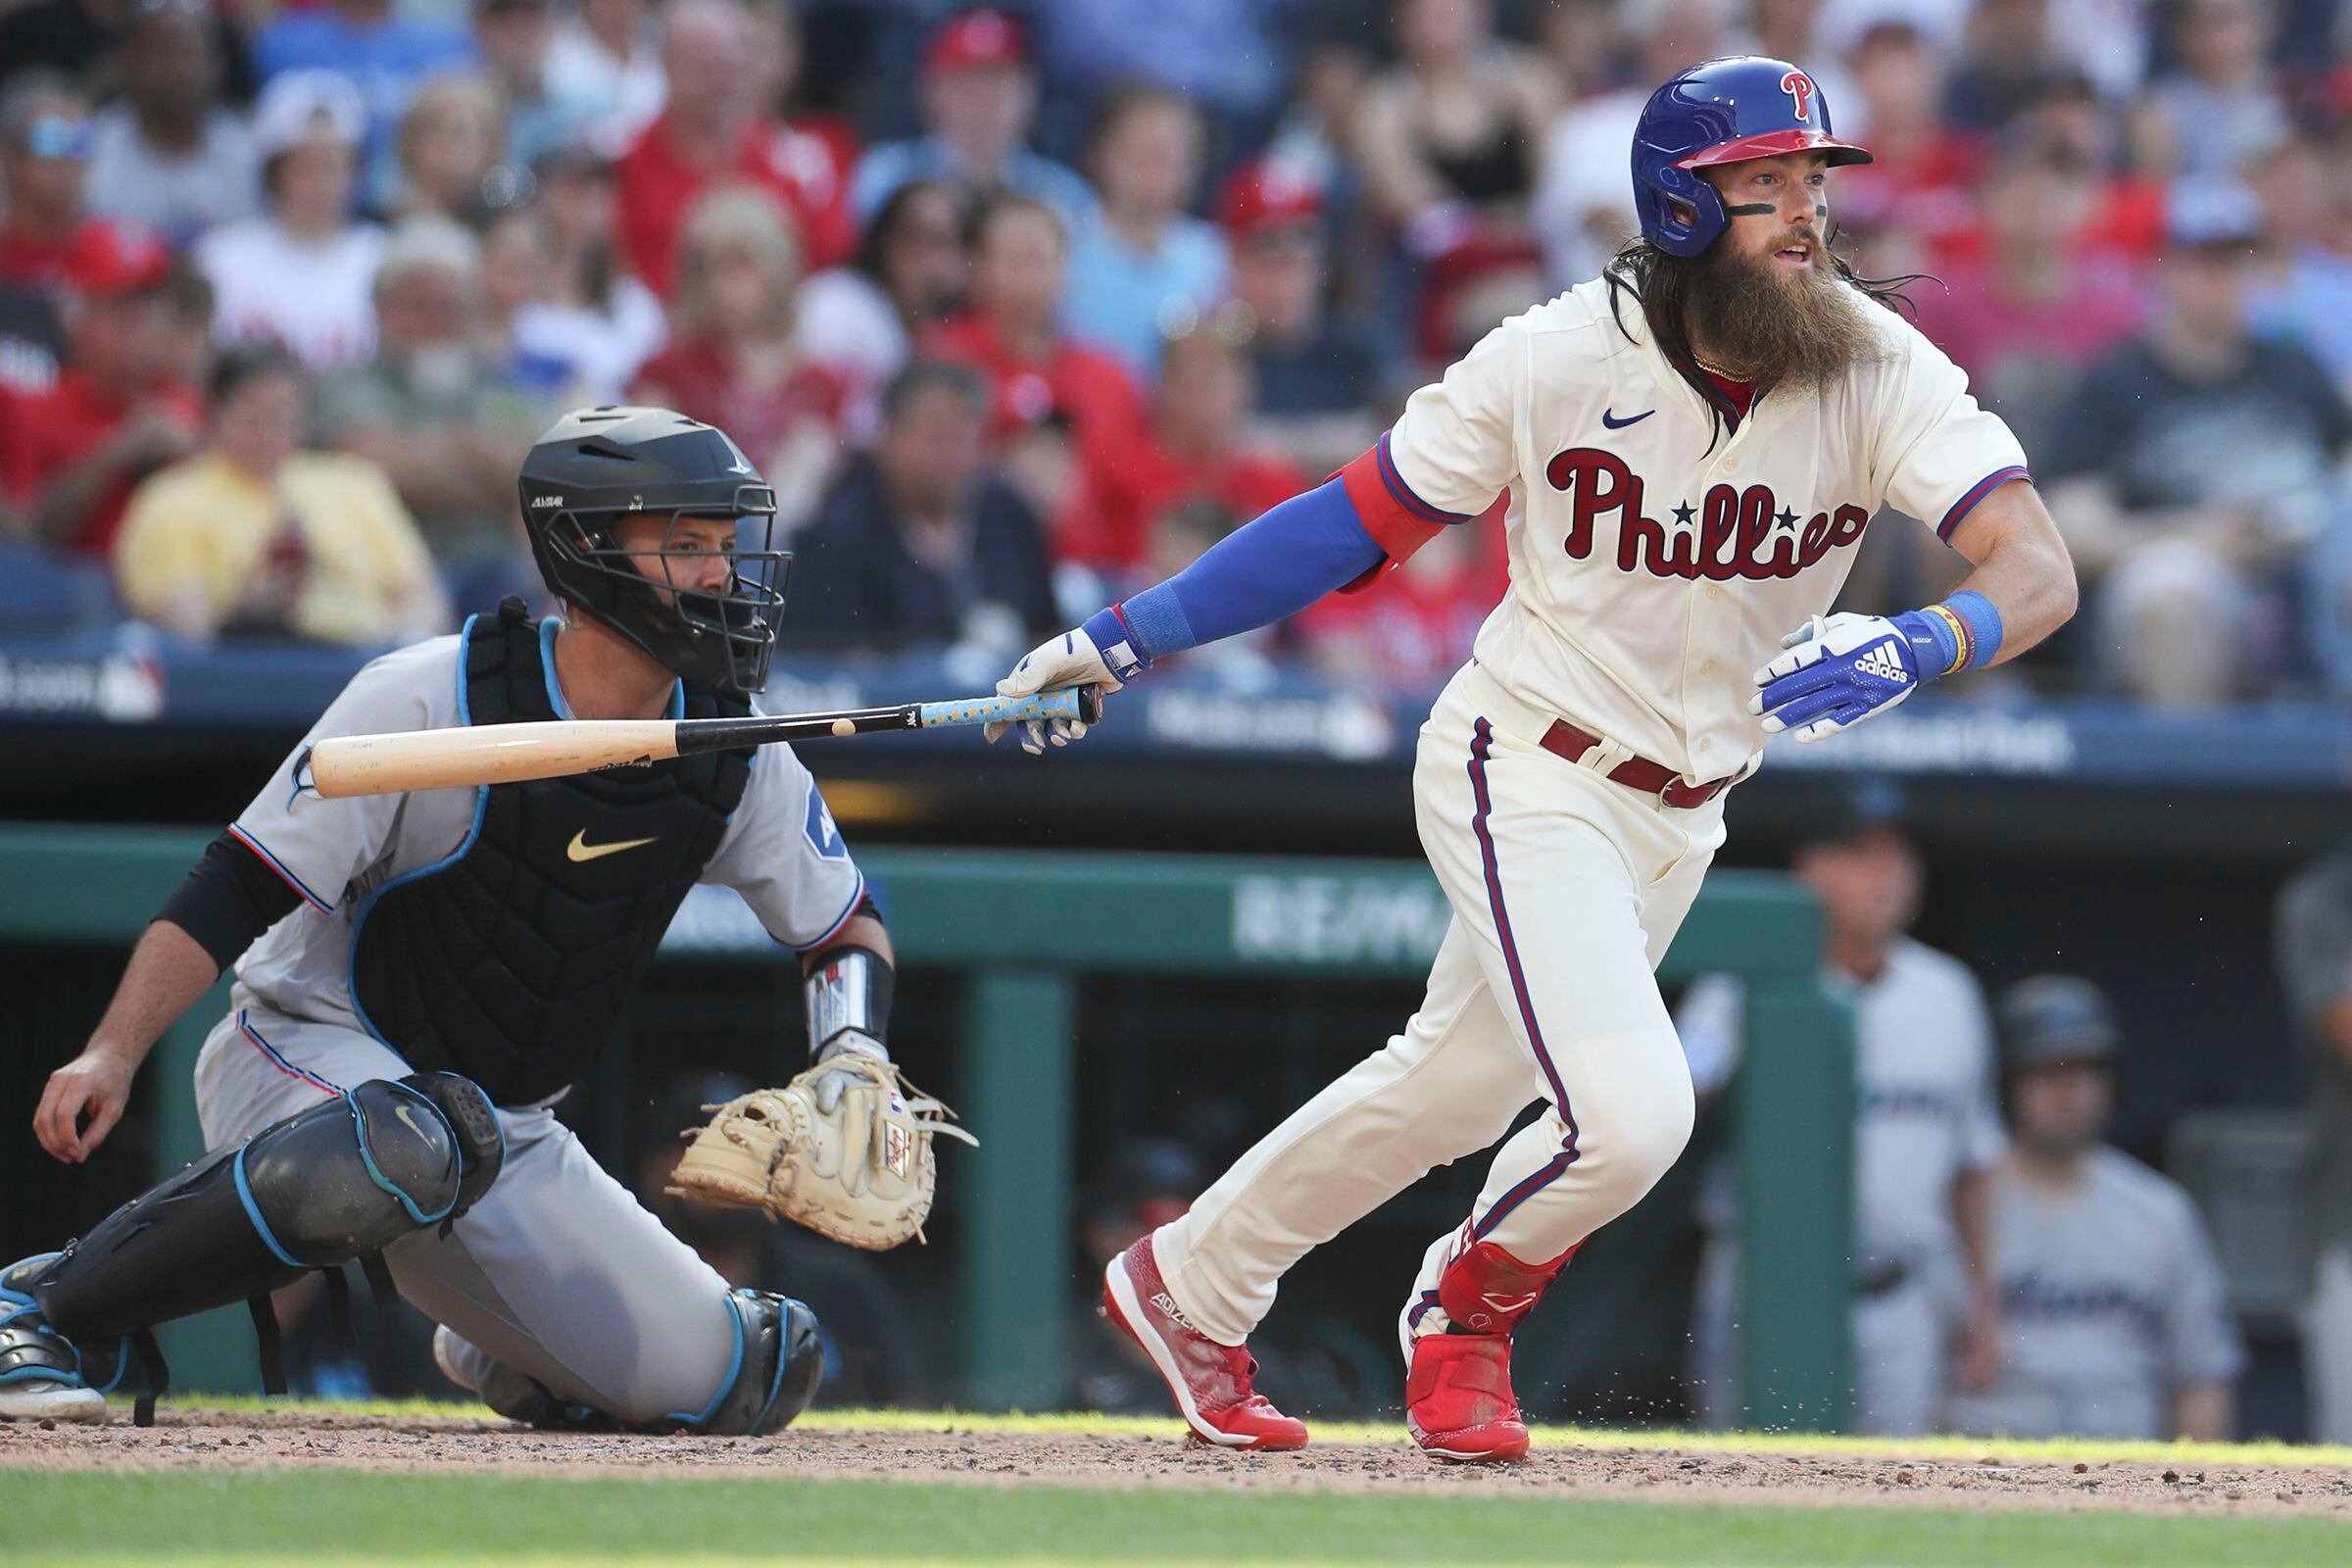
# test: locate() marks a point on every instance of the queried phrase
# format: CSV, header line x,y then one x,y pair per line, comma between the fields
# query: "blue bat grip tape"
x,y
1000,710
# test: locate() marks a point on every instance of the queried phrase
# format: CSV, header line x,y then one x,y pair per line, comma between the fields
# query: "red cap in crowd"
x,y
978,38
109,262
1262,196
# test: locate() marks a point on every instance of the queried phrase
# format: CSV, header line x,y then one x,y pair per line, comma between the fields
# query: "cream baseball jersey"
x,y
1656,556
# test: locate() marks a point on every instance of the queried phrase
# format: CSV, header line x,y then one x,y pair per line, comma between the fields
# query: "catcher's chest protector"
x,y
511,960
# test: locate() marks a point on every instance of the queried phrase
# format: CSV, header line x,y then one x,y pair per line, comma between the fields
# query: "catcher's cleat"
x,y
1459,1402
49,1400
457,1359
42,1373
1211,1382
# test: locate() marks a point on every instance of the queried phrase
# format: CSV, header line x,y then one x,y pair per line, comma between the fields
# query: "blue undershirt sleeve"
x,y
1260,573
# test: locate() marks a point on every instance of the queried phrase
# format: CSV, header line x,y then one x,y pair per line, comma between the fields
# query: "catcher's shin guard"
x,y
319,1189
779,1361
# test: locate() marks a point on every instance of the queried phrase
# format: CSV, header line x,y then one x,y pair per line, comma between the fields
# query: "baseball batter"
x,y
421,977
1693,444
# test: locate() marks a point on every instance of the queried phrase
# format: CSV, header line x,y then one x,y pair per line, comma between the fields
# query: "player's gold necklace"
x,y
1712,368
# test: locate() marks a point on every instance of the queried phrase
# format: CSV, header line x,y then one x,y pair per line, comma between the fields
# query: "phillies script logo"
x,y
1731,533
1799,87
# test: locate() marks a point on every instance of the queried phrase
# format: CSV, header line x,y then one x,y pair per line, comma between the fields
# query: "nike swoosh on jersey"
x,y
581,850
1610,419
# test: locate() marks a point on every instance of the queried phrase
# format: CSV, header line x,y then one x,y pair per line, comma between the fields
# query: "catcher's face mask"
x,y
701,592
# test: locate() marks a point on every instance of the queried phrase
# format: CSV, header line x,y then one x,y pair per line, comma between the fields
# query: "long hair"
x,y
1659,284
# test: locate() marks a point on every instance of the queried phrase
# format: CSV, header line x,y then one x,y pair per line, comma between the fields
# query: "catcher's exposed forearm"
x,y
169,972
85,1098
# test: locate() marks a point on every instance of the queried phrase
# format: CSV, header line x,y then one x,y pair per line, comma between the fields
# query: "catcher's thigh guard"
x,y
778,1363
317,1189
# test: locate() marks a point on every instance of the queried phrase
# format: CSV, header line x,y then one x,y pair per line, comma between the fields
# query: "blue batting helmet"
x,y
1720,111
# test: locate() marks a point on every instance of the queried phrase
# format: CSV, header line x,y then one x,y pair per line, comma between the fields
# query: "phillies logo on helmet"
x,y
1799,87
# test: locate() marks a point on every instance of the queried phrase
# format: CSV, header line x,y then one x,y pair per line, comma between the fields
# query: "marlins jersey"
x,y
2111,1300
1656,560
780,851
1924,1107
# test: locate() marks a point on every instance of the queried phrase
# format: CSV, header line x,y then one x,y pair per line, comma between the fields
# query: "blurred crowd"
x,y
1020,307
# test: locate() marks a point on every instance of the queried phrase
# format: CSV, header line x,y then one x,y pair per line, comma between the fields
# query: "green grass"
x,y
320,1517
1969,1449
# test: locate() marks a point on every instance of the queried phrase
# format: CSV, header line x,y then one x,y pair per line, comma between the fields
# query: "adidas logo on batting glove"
x,y
1840,670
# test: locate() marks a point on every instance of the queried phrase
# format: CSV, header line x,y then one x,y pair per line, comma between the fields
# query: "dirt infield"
x,y
208,1440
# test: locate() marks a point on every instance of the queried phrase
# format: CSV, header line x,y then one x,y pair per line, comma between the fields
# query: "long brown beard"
x,y
1782,328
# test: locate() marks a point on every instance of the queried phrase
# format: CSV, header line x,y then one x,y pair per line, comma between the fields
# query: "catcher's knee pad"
x,y
779,1361
482,1144
318,1189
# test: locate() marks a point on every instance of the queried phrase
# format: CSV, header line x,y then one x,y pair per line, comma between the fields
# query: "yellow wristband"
x,y
1964,639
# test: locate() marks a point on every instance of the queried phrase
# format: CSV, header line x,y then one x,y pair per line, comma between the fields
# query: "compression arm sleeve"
x,y
1268,569
229,898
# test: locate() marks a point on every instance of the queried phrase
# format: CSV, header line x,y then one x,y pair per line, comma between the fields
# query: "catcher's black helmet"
x,y
597,466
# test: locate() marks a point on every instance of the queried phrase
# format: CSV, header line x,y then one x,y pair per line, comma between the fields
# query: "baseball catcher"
x,y
421,977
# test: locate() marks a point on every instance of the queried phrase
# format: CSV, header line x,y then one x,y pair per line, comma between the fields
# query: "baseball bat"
x,y
463,756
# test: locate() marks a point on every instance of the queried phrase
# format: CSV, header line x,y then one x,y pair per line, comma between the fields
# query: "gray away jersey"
x,y
2112,1299
1925,1111
781,851
2314,948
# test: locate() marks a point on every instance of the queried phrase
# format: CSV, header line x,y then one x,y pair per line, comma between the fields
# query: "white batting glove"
x,y
1069,659
1840,670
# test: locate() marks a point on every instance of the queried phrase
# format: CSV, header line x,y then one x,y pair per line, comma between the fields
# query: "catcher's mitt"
x,y
862,1174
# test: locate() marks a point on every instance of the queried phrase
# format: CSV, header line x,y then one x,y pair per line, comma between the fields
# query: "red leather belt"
x,y
1564,739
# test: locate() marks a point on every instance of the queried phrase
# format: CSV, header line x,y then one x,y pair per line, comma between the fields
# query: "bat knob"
x,y
843,727
1090,705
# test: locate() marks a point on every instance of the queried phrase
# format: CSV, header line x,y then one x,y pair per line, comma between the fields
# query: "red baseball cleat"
x,y
1459,1402
1210,1381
